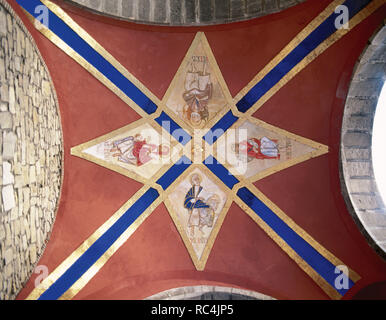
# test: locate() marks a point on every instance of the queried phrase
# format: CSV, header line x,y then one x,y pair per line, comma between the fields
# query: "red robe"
x,y
142,150
254,152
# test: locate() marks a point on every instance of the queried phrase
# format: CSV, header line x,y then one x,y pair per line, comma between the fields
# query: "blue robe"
x,y
196,205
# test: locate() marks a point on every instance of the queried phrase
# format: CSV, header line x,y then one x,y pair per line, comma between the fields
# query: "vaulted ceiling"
x,y
202,155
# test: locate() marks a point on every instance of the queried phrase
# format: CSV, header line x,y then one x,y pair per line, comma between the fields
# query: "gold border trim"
x,y
323,284
199,263
98,48
358,18
289,47
319,149
94,269
200,38
300,231
244,183
175,150
61,269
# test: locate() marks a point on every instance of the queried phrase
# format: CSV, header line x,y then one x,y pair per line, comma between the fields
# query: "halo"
x,y
193,175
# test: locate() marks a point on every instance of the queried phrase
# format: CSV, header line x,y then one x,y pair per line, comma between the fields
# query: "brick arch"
x,y
358,182
185,12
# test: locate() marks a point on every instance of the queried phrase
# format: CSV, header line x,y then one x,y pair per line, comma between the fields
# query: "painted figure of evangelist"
x,y
201,211
136,150
198,91
253,148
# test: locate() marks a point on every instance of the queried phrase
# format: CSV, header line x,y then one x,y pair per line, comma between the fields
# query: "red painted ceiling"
x,y
154,258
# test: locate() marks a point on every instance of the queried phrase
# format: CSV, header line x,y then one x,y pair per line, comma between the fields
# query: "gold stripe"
x,y
319,149
86,277
183,65
199,262
85,64
200,38
366,12
220,79
61,269
296,228
66,264
175,149
94,269
292,45
301,232
98,48
371,8
323,284
287,164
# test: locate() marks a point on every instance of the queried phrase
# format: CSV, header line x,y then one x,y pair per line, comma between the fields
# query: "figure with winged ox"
x,y
201,211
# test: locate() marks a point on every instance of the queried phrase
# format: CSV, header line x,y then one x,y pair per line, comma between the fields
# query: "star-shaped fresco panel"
x,y
198,200
198,150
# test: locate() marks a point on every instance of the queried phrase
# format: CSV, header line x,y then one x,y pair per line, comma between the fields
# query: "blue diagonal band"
x,y
174,172
221,172
318,36
173,128
319,263
72,39
99,247
220,128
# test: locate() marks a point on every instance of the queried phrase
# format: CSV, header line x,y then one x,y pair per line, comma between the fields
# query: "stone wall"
x,y
30,154
208,293
358,182
186,12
